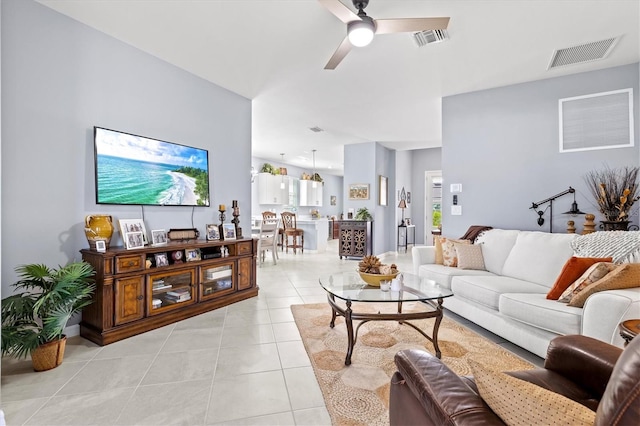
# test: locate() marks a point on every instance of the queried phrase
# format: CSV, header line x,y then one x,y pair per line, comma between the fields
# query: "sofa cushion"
x,y
518,402
538,257
449,255
437,242
486,289
571,271
443,274
538,311
626,275
470,256
496,246
594,273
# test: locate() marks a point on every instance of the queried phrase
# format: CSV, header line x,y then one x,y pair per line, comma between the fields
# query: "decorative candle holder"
x,y
221,216
236,218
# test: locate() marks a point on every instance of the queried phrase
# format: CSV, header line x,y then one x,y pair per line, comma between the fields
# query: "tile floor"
x,y
239,365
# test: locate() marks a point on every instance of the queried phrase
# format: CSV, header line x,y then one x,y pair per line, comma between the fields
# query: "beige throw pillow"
x,y
595,272
518,402
469,256
449,255
438,245
626,275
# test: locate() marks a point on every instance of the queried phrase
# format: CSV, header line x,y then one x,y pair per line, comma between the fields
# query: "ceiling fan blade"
x,y
339,54
407,25
341,11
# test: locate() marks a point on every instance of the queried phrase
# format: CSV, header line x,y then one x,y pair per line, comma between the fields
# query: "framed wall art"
x,y
359,191
383,190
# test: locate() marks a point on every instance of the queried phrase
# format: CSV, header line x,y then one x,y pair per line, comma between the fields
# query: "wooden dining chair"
x,y
272,215
289,224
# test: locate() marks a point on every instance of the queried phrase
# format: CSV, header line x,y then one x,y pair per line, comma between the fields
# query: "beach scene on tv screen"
x,y
133,169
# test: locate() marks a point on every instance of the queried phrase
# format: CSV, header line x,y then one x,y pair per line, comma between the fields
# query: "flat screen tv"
x,y
133,169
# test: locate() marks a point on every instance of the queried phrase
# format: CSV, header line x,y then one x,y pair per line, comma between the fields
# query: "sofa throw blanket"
x,y
622,246
473,232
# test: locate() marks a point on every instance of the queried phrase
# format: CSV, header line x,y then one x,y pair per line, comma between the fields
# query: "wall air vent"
x,y
583,53
423,38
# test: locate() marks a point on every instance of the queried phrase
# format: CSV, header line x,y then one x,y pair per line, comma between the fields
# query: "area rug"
x,y
359,394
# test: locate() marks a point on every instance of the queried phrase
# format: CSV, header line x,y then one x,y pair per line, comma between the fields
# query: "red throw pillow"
x,y
571,271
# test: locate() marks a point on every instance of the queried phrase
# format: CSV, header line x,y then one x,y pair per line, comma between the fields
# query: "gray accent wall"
x,y
364,163
59,79
422,161
502,146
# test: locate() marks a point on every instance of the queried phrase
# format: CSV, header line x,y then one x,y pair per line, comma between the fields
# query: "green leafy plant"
x,y
363,214
268,168
49,298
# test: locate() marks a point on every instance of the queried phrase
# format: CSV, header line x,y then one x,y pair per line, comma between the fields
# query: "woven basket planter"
x,y
48,355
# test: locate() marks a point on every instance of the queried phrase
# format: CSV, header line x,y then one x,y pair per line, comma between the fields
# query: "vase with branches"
x,y
615,191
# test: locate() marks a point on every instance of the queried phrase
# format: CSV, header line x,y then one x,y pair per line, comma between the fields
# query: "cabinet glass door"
x,y
170,290
216,280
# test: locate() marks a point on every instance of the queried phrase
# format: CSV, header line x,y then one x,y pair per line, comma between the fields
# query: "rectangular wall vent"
x,y
423,38
583,53
596,121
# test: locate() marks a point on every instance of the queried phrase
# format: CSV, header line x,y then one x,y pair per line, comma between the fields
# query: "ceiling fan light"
x,y
361,33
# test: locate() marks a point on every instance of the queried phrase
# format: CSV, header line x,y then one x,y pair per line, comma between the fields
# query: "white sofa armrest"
x,y
603,311
422,255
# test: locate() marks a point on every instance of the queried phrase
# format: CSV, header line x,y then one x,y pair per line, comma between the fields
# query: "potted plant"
x,y
363,214
615,191
34,319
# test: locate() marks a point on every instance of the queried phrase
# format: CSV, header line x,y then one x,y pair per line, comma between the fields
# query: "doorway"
x,y
432,206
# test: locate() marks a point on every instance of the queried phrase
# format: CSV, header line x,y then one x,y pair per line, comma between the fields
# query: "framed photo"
x,y
158,237
192,254
133,225
407,221
213,232
333,200
161,259
229,231
133,240
359,191
383,192
101,246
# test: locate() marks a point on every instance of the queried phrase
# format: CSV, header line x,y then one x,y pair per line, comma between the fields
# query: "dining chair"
x,y
271,215
268,238
290,226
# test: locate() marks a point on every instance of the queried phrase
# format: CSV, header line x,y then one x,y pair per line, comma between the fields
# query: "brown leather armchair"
x,y
600,376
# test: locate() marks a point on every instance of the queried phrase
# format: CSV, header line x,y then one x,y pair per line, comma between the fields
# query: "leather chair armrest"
x,y
586,361
445,398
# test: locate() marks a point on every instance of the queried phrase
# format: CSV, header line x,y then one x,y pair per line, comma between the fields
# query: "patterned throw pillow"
x,y
595,272
518,402
469,256
626,275
449,255
571,271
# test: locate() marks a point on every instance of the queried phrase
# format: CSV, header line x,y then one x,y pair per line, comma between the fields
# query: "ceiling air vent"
x,y
583,53
423,38
316,129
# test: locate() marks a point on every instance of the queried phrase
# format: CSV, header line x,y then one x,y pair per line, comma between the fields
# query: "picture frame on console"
x,y
158,237
192,255
213,232
133,225
161,259
133,240
229,231
101,246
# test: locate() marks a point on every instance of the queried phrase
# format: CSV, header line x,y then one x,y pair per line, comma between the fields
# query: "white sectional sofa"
x,y
509,298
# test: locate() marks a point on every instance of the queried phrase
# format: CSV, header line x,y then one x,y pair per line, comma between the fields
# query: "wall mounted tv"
x,y
133,169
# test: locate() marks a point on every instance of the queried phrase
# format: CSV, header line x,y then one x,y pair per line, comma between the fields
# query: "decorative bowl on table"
x,y
374,279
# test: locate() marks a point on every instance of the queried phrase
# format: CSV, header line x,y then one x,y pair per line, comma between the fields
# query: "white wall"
x,y
59,79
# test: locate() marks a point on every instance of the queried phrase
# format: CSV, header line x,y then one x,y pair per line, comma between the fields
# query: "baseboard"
x,y
72,330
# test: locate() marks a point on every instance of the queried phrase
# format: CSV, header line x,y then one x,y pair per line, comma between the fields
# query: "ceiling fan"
x,y
361,28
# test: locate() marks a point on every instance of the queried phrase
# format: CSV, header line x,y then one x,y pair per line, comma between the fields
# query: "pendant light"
x,y
281,176
314,184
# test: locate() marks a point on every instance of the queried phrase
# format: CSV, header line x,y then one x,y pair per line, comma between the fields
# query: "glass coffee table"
x,y
349,287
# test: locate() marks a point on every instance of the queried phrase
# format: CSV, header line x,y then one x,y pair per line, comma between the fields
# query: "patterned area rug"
x,y
359,394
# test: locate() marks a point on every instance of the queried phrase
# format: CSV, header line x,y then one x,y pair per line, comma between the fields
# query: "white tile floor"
x,y
239,365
